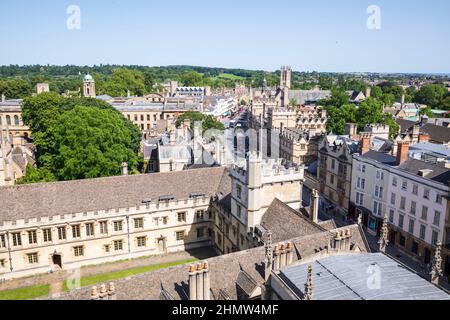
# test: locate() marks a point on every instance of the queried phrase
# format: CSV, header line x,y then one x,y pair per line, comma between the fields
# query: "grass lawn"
x,y
92,280
26,293
228,76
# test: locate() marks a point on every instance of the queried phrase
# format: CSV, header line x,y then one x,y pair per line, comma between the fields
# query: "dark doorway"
x,y
392,237
427,256
56,258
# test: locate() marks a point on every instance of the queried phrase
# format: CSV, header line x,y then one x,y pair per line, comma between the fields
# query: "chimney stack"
x,y
402,152
94,293
199,281
424,137
283,256
192,283
206,282
290,253
124,168
365,142
276,258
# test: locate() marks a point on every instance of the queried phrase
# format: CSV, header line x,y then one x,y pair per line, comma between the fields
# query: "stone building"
x,y
298,146
307,266
413,193
334,174
255,186
11,117
66,225
89,86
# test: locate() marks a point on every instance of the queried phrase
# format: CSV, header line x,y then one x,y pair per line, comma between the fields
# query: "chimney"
x,y
112,292
290,253
199,277
94,293
365,142
124,168
103,292
206,282
283,256
402,152
192,283
424,137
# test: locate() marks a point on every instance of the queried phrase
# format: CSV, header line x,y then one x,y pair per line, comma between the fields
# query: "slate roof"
x,y
345,278
381,157
438,173
50,199
286,223
304,96
437,134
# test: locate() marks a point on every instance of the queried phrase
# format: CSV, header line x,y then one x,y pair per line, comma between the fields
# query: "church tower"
x,y
285,77
89,86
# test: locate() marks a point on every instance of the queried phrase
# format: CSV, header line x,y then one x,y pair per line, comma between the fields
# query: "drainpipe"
x,y
9,253
128,232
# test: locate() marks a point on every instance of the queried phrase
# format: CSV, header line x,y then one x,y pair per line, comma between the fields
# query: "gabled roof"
x,y
286,223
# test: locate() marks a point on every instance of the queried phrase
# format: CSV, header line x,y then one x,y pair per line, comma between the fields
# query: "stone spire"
x,y
309,295
269,253
436,271
384,235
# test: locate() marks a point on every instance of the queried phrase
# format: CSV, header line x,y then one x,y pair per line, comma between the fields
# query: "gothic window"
x,y
117,226
103,227
141,241
139,223
2,241
181,216
180,235
16,120
118,245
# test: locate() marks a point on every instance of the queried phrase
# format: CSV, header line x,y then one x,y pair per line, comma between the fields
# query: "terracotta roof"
x,y
51,199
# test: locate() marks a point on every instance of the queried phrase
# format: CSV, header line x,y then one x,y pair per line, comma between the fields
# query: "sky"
x,y
314,35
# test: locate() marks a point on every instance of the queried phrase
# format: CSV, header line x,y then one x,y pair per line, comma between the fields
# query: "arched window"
x,y
16,120
8,120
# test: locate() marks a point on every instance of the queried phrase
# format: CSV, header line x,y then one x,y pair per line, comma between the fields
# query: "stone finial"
x,y
384,235
206,266
436,270
191,268
309,285
94,293
360,221
199,267
268,248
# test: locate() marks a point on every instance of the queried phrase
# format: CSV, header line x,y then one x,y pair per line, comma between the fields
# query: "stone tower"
x,y
89,86
285,77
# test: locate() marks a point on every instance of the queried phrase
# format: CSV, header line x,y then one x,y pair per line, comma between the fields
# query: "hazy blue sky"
x,y
322,35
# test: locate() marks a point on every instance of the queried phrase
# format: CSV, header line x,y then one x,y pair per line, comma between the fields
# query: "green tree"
x,y
71,133
15,88
121,81
432,95
35,175
91,143
208,121
192,79
293,103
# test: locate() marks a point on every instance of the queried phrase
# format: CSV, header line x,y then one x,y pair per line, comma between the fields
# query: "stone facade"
x,y
53,229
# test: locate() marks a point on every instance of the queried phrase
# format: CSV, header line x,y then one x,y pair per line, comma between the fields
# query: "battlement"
x,y
144,208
